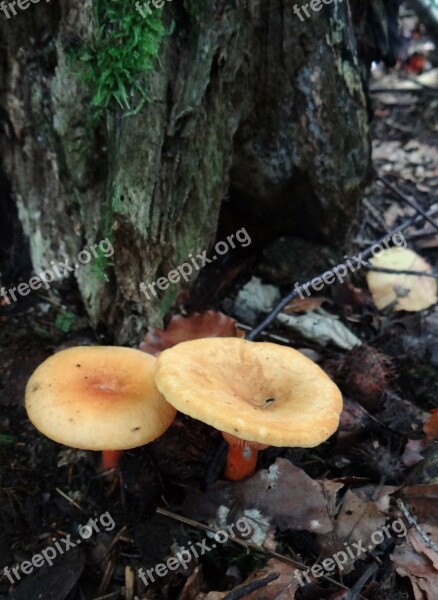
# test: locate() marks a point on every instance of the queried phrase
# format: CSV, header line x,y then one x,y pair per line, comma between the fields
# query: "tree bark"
x,y
247,103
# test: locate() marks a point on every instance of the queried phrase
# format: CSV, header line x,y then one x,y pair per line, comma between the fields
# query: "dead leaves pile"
x,y
321,518
342,523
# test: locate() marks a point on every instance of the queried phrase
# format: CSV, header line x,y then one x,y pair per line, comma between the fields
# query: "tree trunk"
x,y
247,102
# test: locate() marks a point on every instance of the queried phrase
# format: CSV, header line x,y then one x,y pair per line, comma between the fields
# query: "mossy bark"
x,y
246,102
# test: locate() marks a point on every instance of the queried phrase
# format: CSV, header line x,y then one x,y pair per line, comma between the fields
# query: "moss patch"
x,y
124,47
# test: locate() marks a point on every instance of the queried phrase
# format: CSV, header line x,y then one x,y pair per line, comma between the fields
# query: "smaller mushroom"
x,y
257,394
98,398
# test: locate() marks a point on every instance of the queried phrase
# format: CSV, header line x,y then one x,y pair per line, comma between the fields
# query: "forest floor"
x,y
378,473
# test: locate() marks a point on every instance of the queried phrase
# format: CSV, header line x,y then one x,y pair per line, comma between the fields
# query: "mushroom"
x,y
257,394
98,398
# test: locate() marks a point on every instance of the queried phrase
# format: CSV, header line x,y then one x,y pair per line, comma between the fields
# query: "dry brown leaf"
x,y
406,292
431,427
289,496
412,559
182,329
395,212
413,449
356,522
193,586
282,588
357,519
412,452
422,501
299,305
330,490
282,496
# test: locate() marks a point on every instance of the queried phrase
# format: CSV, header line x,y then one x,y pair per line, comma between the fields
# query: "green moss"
x,y
65,321
125,46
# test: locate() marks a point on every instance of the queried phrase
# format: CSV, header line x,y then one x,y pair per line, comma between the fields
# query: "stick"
x,y
244,590
245,544
294,293
70,499
397,272
408,201
413,521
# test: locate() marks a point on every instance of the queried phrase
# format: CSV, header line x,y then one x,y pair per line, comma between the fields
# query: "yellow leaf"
x,y
406,292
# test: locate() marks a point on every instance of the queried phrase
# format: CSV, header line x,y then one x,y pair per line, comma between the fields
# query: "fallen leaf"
x,y
299,305
412,452
322,328
405,292
193,586
395,212
431,427
417,566
422,501
182,329
282,496
357,520
282,588
254,299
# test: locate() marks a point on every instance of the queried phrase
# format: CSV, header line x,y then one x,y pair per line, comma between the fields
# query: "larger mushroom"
x,y
98,398
256,393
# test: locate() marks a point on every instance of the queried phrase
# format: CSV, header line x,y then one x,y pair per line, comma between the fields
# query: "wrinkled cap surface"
x,y
257,391
98,398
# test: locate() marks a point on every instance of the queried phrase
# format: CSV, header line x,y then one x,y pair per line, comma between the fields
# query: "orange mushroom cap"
x,y
98,398
255,391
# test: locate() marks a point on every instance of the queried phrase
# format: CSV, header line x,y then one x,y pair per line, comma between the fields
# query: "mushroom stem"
x,y
241,457
110,459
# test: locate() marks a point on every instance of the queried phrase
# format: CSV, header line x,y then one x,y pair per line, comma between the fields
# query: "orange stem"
x,y
241,457
241,462
110,459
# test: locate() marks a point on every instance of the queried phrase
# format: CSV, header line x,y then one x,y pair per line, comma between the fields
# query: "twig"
x,y
418,90
408,201
398,127
294,293
413,521
267,334
423,233
402,272
357,587
244,590
247,545
70,499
